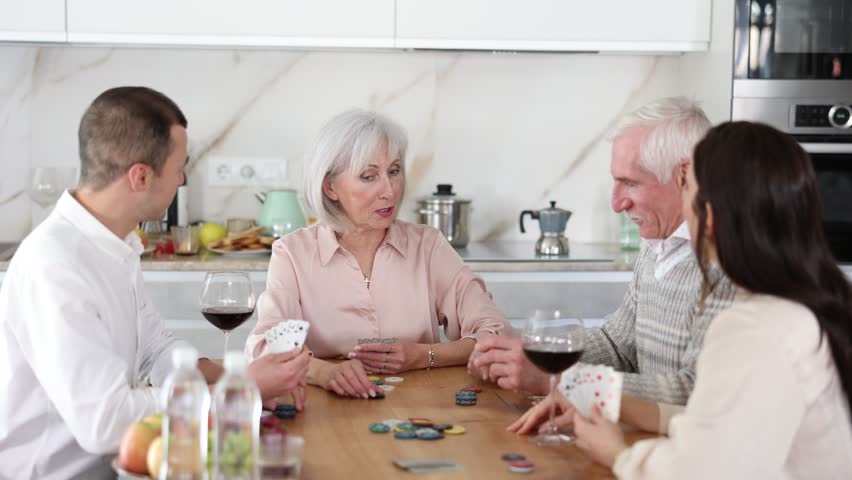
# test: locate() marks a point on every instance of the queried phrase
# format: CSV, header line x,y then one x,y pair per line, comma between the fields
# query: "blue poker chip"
x,y
442,426
405,435
465,403
285,407
380,427
285,414
406,427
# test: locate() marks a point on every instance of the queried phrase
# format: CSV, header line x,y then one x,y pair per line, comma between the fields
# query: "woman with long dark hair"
x,y
774,380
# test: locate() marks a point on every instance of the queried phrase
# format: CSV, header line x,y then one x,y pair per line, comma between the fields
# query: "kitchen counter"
x,y
481,257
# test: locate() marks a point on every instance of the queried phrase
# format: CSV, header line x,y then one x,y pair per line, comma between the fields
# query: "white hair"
x,y
676,124
347,144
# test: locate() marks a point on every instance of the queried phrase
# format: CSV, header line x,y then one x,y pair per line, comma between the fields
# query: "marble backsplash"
x,y
509,131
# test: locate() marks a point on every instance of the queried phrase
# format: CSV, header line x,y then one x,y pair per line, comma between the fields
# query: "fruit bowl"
x,y
124,474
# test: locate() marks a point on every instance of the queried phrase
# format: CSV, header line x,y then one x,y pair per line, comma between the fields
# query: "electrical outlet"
x,y
232,171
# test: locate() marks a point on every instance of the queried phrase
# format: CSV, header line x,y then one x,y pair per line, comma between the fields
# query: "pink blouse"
x,y
418,284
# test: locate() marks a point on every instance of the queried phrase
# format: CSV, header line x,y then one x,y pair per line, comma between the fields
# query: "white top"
x,y
78,337
767,404
670,250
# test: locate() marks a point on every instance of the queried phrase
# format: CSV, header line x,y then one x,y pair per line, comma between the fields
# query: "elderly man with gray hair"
x,y
657,332
376,290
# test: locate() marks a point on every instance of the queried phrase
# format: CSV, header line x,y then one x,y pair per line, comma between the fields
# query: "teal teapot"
x,y
281,212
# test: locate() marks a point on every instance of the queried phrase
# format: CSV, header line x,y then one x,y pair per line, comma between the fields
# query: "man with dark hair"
x,y
79,338
124,126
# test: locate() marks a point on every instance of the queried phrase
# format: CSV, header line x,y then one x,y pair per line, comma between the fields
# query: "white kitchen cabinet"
x,y
287,23
555,25
516,294
32,20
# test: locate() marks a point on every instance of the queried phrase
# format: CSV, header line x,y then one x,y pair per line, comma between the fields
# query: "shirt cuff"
x,y
622,461
667,411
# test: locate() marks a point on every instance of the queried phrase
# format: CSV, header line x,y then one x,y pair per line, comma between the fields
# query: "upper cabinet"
x,y
32,20
543,25
289,23
555,25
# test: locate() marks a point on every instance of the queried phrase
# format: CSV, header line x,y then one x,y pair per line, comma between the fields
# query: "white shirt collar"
x,y
663,246
671,250
92,228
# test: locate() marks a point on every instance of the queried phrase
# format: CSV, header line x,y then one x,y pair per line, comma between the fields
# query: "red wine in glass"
x,y
227,318
552,358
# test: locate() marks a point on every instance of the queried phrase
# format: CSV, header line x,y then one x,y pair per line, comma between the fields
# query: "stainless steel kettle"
x,y
552,221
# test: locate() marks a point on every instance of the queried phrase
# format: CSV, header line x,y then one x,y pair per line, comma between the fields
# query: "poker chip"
x,y
379,428
405,427
465,403
392,422
374,378
455,430
471,389
512,457
286,406
394,379
421,422
442,426
461,394
377,382
521,466
377,396
387,388
405,435
428,434
285,414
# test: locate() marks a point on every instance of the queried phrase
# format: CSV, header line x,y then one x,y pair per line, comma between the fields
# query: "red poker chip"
x,y
521,466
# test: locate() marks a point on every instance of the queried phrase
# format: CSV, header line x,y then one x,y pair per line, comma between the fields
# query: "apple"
x,y
211,232
133,452
155,457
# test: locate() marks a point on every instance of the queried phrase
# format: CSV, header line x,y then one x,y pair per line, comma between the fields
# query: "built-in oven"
x,y
793,70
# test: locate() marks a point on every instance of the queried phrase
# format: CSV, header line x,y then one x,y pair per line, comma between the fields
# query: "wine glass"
x,y
553,341
227,301
46,184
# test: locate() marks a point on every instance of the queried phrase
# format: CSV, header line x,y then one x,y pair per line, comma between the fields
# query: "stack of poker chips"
x,y
465,398
285,411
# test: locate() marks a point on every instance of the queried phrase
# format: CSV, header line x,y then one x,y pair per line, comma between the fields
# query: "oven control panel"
x,y
837,116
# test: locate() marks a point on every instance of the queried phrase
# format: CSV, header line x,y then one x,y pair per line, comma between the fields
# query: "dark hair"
x,y
122,127
768,229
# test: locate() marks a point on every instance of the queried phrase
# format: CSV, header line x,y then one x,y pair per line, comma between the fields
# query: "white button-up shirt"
x,y
671,250
79,341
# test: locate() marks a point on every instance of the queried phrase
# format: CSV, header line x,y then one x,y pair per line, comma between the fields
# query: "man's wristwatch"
x,y
431,358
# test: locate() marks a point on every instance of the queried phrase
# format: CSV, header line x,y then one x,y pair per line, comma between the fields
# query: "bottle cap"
x,y
184,356
235,361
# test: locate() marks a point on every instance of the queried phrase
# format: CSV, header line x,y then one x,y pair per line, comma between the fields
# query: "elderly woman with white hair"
x,y
363,273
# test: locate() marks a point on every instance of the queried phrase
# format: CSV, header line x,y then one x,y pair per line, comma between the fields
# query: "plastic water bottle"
x,y
629,237
236,417
187,401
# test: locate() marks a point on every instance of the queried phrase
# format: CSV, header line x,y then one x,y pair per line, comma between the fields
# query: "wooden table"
x,y
338,443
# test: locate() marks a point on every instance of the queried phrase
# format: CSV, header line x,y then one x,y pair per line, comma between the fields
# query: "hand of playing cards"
x,y
585,385
287,335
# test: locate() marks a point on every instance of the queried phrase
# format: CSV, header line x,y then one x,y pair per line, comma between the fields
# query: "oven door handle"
x,y
827,147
